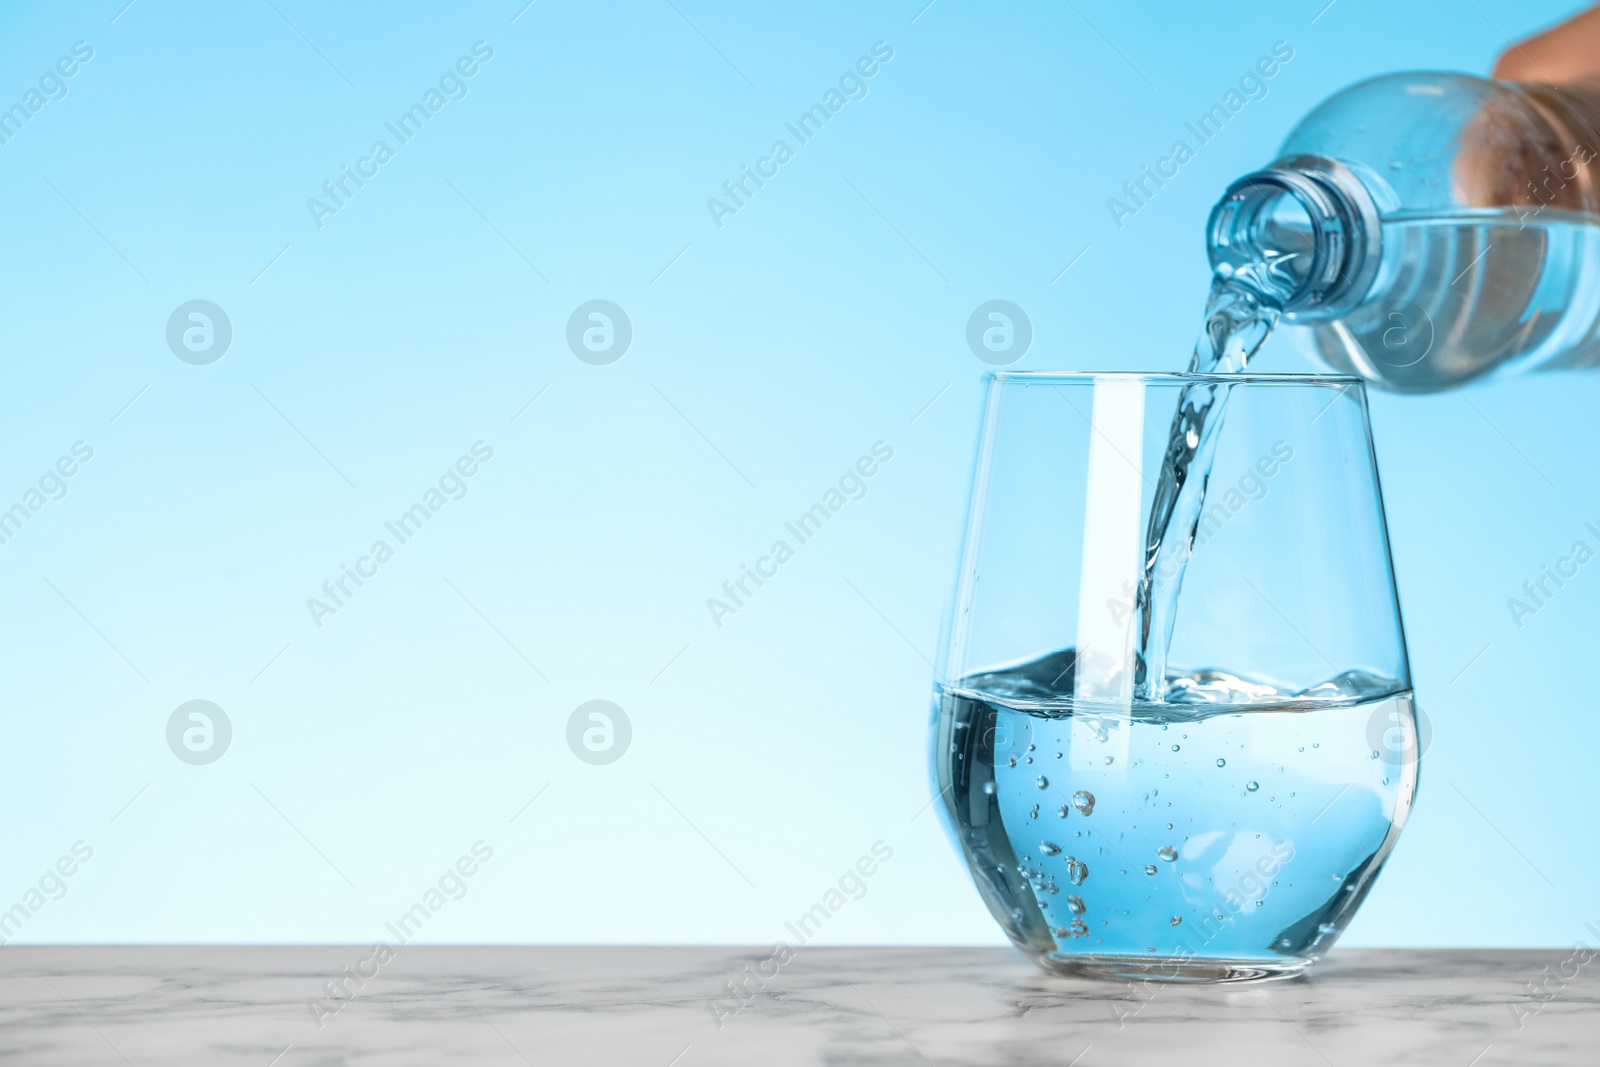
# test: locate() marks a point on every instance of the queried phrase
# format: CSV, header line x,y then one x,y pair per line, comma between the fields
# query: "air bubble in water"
x,y
1167,852
1075,905
1042,782
1083,800
1048,849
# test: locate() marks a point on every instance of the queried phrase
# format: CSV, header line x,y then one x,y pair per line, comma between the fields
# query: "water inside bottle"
x,y
1470,294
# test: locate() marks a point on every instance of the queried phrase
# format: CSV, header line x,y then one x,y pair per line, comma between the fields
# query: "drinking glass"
x,y
1225,823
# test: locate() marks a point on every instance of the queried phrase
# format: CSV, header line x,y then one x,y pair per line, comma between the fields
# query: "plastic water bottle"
x,y
1429,229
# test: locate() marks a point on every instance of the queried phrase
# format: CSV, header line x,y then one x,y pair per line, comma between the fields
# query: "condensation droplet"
x,y
1083,800
1075,905
1149,868
1042,782
1079,928
1077,871
1222,763
1252,786
1177,920
1048,849
1167,852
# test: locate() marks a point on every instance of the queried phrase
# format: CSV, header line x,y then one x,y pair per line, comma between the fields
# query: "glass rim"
x,y
1082,377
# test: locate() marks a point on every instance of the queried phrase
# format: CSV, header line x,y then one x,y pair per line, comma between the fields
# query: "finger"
x,y
1562,54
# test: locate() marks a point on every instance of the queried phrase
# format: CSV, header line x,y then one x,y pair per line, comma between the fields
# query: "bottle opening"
x,y
1302,234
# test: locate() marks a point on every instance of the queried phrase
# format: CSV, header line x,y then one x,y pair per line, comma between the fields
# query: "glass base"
x,y
1159,969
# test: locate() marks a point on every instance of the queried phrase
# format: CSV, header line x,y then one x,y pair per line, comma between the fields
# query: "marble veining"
x,y
670,1007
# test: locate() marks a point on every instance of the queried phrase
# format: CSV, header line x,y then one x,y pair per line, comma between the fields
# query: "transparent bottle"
x,y
1430,229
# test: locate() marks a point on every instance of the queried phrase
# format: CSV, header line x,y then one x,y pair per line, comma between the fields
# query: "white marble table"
x,y
253,1006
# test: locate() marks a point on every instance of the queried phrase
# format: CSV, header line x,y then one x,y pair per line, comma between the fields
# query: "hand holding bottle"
x,y
1430,228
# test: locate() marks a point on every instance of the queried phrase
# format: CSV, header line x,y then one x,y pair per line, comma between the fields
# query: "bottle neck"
x,y
1303,233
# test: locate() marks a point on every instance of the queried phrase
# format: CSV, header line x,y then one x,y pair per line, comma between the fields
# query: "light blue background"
x,y
769,754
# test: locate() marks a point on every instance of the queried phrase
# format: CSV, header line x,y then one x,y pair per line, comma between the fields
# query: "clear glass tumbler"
x,y
1226,823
